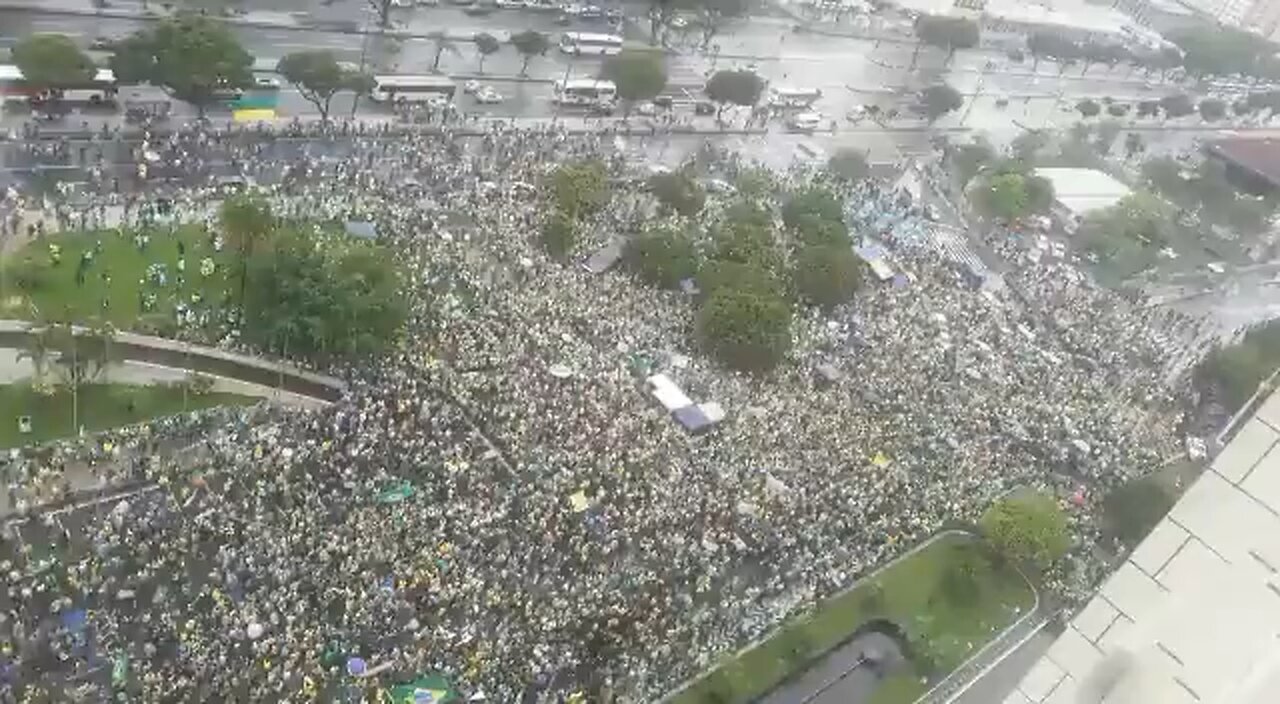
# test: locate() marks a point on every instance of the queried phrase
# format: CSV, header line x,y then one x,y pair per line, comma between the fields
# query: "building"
x,y
1229,12
1263,17
1253,165
1011,21
1162,16
1193,614
1078,193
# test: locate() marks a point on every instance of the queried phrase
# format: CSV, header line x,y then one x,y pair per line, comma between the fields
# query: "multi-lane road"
x,y
850,71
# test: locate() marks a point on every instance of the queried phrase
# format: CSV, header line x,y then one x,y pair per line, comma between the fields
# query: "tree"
x,y
530,44
678,191
1134,508
1241,108
968,159
848,164
1212,109
383,9
940,100
193,57
1026,146
947,33
1148,108
1220,51
744,329
248,225
662,256
736,87
1027,529
38,348
1133,145
486,46
1088,108
827,275
579,188
660,14
442,44
811,202
1233,373
322,297
317,76
1177,105
746,243
559,234
52,62
1139,222
637,75
1005,196
360,84
712,14
1117,109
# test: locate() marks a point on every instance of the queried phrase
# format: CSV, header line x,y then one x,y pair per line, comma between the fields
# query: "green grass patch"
x,y
101,406
946,617
116,286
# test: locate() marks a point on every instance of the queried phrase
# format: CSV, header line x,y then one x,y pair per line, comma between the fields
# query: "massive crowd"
x,y
501,501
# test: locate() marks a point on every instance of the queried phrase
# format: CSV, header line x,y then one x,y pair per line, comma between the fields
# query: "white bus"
x,y
100,89
412,89
588,44
784,97
584,91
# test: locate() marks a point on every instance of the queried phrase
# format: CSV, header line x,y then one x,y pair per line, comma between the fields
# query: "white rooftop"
x,y
1193,615
1083,191
1075,14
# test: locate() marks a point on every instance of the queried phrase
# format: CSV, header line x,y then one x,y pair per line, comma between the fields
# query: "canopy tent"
x,y
667,393
700,417
876,259
360,228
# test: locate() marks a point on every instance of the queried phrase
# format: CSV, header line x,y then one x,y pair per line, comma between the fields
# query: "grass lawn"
x,y
907,593
116,279
101,406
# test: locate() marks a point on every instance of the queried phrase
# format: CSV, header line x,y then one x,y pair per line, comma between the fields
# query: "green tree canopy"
x,y
559,234
848,164
1178,105
678,191
1027,529
662,256
1088,108
1212,109
967,159
322,297
1138,222
579,188
530,44
1130,511
947,33
486,45
827,275
724,274
1233,373
52,61
638,74
317,75
735,87
747,243
1220,51
193,57
811,201
940,100
744,329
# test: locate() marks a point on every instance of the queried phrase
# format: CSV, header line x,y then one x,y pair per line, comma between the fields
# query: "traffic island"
x,y
941,602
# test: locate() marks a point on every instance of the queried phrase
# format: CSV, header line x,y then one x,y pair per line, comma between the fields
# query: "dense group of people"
x,y
501,501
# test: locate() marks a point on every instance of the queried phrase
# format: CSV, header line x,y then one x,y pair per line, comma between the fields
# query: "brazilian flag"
x,y
427,689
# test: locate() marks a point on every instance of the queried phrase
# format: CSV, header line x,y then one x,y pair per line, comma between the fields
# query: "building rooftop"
x,y
1082,191
1074,14
1260,157
1193,614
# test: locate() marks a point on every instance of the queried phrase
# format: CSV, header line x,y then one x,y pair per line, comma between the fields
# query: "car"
x,y
679,22
590,12
267,82
704,107
488,96
602,108
804,122
509,4
402,3
645,107
428,3
101,43
471,87
856,113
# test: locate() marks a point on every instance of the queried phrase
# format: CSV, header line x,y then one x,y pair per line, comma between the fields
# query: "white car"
x,y
645,107
509,4
470,87
805,122
488,96
267,82
402,3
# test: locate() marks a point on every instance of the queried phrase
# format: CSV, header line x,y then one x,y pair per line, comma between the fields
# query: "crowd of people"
x,y
501,501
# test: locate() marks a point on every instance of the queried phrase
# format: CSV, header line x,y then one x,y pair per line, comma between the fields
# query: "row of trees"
x,y
198,60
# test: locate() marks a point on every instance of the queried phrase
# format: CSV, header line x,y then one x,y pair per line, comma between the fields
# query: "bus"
x,y
799,98
584,91
588,44
98,90
412,89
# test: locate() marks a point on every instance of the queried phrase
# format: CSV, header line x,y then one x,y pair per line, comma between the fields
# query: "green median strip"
x,y
949,598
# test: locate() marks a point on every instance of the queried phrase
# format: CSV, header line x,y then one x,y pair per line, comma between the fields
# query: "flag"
x,y
396,493
428,689
120,670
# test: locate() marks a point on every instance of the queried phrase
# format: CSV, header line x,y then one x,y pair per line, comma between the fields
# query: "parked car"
x,y
267,82
804,122
488,96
